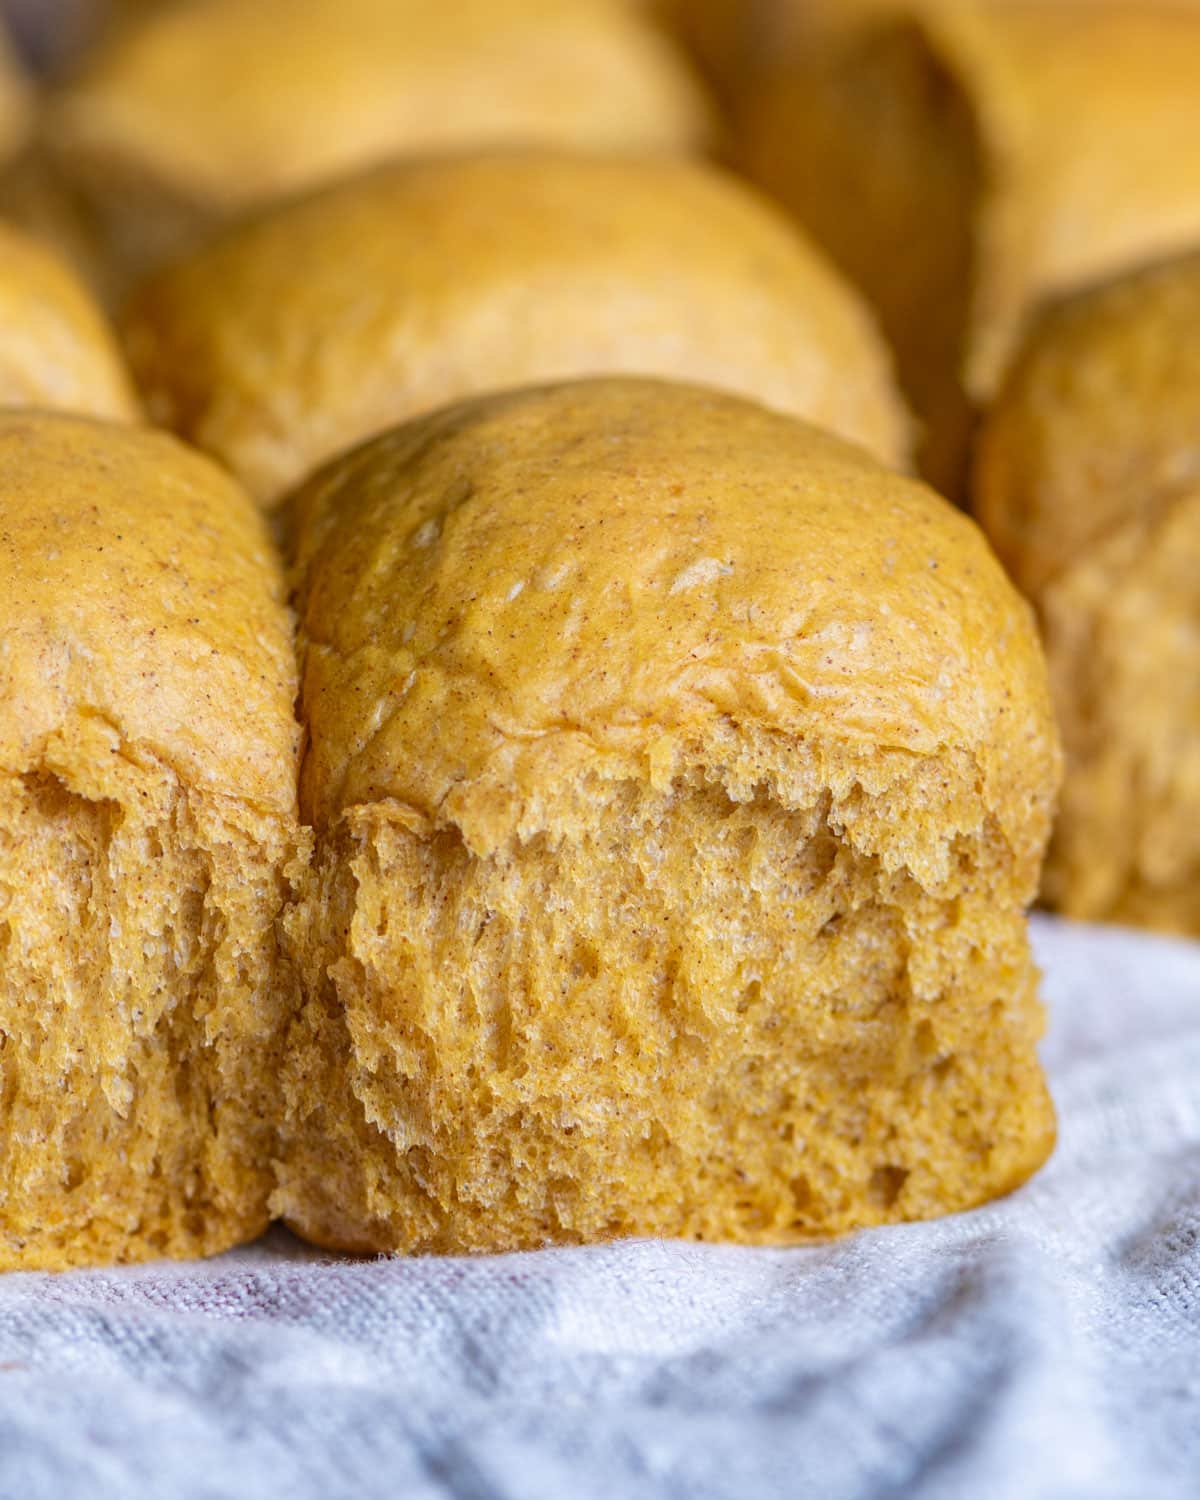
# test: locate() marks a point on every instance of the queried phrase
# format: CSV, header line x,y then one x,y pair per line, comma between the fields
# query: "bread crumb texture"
x,y
679,778
1088,481
306,330
147,833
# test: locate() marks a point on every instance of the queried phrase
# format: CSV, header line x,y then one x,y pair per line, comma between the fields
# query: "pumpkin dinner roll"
x,y
147,831
964,159
319,324
213,106
1088,481
56,349
679,777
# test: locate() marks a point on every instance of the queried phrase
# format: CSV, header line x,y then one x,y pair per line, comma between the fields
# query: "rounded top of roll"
x,y
1097,423
230,102
1052,142
606,572
141,612
329,319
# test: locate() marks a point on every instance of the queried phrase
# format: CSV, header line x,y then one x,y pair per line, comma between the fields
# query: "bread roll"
x,y
147,823
1088,481
313,327
962,161
212,106
55,348
679,777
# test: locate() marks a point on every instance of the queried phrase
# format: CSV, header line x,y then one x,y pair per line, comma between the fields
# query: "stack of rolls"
x,y
496,749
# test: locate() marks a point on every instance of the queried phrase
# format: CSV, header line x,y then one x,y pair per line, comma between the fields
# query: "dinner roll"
x,y
324,322
147,827
211,106
1088,481
55,347
963,160
678,777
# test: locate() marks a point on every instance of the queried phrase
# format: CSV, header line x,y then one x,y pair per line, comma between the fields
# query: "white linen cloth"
x,y
1045,1346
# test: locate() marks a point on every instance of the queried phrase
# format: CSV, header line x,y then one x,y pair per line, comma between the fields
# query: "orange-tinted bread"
x,y
313,327
679,777
1088,482
999,151
213,106
56,349
147,832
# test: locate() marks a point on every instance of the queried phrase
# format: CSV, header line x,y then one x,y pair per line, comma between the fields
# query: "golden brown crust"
x,y
656,741
1086,480
349,83
1122,74
56,350
163,632
1050,143
1096,419
147,832
296,335
915,675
